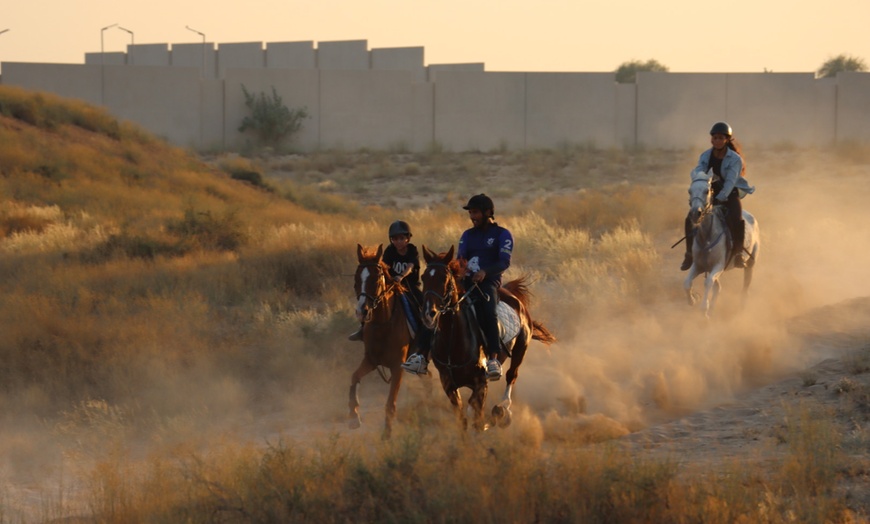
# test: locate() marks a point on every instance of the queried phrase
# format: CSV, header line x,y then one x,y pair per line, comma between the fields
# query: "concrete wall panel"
x,y
400,59
113,58
246,55
297,89
766,109
433,69
135,93
213,116
480,111
825,111
343,55
853,107
366,109
570,108
626,115
67,80
148,55
291,55
423,118
198,55
676,110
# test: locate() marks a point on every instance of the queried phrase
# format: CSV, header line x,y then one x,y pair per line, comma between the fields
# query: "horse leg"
x,y
390,408
477,401
501,412
687,285
711,291
365,367
456,400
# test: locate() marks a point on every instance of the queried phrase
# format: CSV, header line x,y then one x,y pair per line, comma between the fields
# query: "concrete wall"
x,y
366,109
400,59
480,111
853,107
135,93
241,55
291,55
376,99
148,55
67,80
570,108
198,55
297,88
343,55
113,58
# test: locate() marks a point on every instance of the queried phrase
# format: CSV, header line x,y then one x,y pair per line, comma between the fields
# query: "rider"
x,y
403,260
729,186
487,248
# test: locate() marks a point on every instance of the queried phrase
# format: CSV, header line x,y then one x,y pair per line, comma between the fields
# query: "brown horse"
x,y
386,335
457,346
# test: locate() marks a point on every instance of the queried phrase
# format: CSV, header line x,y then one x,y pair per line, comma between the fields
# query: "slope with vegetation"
x,y
151,302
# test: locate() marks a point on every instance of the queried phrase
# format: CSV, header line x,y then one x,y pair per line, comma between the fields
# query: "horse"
x,y
710,252
457,345
386,335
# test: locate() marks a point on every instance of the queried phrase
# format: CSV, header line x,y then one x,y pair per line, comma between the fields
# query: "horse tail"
x,y
520,289
541,333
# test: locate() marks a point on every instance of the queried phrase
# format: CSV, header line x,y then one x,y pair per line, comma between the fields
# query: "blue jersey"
x,y
488,249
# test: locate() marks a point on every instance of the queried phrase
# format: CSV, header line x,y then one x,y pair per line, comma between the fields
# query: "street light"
x,y
131,40
102,31
200,33
103,65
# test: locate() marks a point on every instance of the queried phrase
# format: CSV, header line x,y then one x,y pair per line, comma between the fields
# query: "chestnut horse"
x,y
386,335
457,347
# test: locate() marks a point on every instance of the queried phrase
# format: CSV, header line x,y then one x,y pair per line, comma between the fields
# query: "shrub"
x,y
270,120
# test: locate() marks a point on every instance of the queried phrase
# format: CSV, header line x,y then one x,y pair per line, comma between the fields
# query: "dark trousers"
x,y
486,314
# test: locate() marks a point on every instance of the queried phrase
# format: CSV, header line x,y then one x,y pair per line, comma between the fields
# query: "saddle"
x,y
509,324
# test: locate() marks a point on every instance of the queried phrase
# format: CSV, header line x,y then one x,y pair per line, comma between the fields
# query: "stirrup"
x,y
357,335
739,261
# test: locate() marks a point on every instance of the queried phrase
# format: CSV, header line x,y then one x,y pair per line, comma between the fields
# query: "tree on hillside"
x,y
270,120
839,63
627,72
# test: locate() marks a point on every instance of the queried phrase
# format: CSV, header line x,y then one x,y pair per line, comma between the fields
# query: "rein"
x,y
449,307
381,294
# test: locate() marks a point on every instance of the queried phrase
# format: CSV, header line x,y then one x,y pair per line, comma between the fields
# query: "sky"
x,y
506,35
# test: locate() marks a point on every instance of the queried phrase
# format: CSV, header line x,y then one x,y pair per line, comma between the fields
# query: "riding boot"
x,y
739,237
357,335
687,261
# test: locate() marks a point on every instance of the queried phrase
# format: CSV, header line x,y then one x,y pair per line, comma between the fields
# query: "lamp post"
x,y
131,40
200,33
103,65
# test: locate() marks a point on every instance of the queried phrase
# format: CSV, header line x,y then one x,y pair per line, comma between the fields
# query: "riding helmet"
x,y
721,128
481,202
400,227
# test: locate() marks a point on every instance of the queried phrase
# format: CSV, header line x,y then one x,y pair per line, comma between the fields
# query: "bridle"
x,y
380,294
448,303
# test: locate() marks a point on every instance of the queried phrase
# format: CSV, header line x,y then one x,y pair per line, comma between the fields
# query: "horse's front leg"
x,y
365,367
687,285
456,400
477,401
711,291
390,408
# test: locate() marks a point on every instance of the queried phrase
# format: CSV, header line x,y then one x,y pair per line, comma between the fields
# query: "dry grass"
x,y
151,303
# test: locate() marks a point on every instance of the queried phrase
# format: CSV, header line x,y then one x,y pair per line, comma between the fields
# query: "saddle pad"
x,y
508,322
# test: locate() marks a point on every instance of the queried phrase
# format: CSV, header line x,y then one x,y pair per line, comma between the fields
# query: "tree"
x,y
270,120
840,63
626,73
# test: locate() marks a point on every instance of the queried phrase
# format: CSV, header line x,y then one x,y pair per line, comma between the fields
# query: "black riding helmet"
x,y
481,202
721,128
400,227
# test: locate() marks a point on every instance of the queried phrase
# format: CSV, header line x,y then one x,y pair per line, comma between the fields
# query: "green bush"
x,y
270,120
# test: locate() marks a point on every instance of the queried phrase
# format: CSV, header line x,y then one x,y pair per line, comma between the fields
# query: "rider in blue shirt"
x,y
487,249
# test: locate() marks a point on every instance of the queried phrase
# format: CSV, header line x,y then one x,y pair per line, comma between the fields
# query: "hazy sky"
x,y
506,35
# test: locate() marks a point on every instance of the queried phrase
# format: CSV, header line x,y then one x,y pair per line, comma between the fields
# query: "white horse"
x,y
710,252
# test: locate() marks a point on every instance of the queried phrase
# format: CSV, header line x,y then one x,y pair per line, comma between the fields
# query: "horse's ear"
x,y
359,252
450,254
380,251
427,253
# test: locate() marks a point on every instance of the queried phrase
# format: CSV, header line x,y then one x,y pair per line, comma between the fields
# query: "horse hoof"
x,y
501,416
354,423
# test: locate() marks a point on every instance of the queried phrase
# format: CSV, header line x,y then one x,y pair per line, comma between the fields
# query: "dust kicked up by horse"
x,y
457,343
712,251
386,335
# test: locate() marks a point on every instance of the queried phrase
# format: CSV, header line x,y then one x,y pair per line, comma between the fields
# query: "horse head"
x,y
700,194
369,281
440,290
